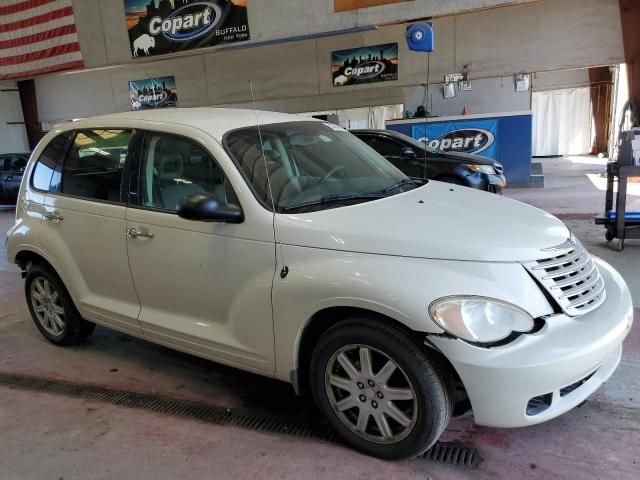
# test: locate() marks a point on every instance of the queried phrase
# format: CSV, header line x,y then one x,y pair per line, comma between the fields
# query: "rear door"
x,y
84,227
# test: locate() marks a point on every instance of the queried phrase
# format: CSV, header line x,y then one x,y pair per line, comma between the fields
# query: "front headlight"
x,y
489,170
478,319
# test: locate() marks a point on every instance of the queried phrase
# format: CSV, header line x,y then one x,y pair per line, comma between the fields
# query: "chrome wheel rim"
x,y
47,306
371,394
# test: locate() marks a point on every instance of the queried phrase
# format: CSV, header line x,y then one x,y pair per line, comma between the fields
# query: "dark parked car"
x,y
458,168
11,168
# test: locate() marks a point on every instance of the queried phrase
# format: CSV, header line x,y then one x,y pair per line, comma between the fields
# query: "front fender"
x,y
400,288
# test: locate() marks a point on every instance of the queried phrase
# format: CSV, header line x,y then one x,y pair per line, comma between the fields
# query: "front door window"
x,y
174,167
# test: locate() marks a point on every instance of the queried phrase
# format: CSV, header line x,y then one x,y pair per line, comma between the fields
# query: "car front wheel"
x,y
379,389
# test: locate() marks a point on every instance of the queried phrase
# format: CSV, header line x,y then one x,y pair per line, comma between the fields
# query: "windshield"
x,y
312,166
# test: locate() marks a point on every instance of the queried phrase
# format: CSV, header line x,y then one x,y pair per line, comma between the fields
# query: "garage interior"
x,y
119,407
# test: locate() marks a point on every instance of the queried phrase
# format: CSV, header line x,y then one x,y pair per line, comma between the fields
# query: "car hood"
x,y
437,221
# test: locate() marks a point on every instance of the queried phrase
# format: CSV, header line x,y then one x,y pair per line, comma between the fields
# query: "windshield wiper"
x,y
335,199
401,183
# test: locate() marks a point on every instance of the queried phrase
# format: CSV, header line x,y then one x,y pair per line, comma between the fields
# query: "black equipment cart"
x,y
619,223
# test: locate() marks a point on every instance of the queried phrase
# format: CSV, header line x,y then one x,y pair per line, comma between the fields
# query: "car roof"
x,y
388,133
215,121
368,130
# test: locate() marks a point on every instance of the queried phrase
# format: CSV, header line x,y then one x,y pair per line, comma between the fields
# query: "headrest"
x,y
170,167
253,155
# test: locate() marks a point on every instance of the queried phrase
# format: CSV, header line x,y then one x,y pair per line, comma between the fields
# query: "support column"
x,y
630,17
27,89
600,79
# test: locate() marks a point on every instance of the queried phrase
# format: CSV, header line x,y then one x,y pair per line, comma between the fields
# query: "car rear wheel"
x,y
379,389
52,309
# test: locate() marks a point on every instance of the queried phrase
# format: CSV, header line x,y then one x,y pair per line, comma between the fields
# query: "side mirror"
x,y
408,152
203,207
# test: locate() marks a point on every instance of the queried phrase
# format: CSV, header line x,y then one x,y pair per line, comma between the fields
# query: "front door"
x,y
395,152
204,288
85,231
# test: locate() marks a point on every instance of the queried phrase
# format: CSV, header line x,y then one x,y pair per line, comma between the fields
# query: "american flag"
x,y
36,37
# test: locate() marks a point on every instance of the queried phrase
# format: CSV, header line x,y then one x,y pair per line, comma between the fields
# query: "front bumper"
x,y
501,381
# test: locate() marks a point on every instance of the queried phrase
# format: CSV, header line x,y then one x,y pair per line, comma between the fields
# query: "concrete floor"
x,y
45,436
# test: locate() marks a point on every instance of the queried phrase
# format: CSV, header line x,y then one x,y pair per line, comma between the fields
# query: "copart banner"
x,y
158,27
464,136
149,93
354,66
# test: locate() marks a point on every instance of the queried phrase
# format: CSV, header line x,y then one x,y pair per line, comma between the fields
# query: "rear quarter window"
x,y
48,160
94,165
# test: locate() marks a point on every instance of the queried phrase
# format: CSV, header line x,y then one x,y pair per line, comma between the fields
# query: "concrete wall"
x,y
103,35
489,95
531,37
558,80
13,136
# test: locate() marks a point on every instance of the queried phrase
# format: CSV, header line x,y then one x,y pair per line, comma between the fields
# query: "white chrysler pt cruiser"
x,y
285,246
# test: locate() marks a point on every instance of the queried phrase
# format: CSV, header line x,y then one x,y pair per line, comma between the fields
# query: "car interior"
x,y
175,168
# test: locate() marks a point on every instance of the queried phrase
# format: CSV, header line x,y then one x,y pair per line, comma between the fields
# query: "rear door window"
x,y
16,164
46,165
95,163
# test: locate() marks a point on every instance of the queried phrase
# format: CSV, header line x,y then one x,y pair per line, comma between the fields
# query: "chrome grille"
x,y
570,277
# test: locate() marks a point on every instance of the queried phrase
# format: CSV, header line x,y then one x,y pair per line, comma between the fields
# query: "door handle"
x,y
135,233
54,216
8,178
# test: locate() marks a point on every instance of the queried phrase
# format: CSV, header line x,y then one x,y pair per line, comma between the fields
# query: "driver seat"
x,y
254,167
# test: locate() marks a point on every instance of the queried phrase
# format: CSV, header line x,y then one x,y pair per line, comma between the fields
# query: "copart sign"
x,y
164,26
464,136
378,63
153,93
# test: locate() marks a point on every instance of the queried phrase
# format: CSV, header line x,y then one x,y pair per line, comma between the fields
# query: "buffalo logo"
x,y
187,23
365,71
467,140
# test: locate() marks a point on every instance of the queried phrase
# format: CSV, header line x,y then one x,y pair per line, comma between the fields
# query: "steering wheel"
x,y
333,171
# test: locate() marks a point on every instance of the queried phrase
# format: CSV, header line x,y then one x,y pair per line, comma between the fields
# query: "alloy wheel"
x,y
371,394
47,305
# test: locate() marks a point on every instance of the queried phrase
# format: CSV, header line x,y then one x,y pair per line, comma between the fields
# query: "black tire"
x,y
609,236
86,329
75,329
428,378
453,180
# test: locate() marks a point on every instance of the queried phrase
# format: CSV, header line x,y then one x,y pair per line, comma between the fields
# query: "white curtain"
x,y
562,122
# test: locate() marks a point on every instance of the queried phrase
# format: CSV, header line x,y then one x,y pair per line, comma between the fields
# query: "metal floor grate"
x,y
453,455
440,452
